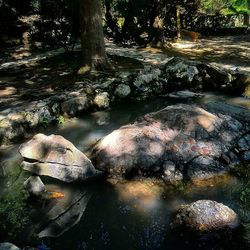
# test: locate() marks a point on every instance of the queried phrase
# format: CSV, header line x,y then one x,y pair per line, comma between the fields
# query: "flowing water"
x,y
121,214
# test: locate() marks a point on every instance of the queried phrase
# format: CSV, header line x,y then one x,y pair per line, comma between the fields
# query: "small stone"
x,y
122,91
76,105
246,156
102,100
34,185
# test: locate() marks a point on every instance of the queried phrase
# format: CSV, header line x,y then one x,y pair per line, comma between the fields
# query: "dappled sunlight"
x,y
144,196
206,120
7,91
223,179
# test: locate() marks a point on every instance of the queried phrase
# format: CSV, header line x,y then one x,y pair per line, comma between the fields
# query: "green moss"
x,y
60,120
14,214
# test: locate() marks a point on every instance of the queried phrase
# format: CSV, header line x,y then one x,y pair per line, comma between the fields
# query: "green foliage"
x,y
43,121
225,6
14,213
246,233
245,196
60,120
240,6
58,24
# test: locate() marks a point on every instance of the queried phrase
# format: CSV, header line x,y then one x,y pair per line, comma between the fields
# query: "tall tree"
x,y
92,37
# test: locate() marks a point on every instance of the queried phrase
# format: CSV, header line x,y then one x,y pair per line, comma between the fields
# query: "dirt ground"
x,y
35,76
229,51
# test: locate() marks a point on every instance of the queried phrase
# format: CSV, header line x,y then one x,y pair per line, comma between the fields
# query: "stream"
x,y
129,215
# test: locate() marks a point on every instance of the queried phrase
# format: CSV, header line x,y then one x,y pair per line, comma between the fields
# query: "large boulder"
x,y
197,143
56,157
206,216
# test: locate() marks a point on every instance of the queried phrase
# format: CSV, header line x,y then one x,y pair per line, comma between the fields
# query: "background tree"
x,y
92,37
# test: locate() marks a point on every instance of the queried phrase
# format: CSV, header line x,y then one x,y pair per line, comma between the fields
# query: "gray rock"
x,y
246,156
56,157
122,91
8,246
241,114
244,143
241,85
206,216
76,105
181,69
102,100
170,173
185,94
146,77
204,167
217,75
34,185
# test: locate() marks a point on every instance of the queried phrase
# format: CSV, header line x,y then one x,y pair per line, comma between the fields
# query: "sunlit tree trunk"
x,y
178,22
92,37
157,23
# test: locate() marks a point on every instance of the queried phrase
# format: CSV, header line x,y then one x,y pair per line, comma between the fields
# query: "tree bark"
x,y
92,37
178,22
246,19
111,22
156,21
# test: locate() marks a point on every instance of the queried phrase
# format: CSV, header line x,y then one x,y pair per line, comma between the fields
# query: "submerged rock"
x,y
8,246
197,143
206,216
64,214
185,94
56,157
122,90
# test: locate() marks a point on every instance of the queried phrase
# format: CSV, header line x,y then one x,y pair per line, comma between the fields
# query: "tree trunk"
x,y
156,23
92,37
111,22
246,19
178,22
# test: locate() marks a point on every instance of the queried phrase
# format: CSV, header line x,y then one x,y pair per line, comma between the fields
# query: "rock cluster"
x,y
176,75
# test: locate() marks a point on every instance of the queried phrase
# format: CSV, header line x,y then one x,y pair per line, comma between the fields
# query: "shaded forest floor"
x,y
228,52
25,76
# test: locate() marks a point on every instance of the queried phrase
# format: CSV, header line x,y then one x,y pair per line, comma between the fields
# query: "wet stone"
x,y
206,216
